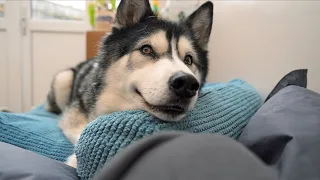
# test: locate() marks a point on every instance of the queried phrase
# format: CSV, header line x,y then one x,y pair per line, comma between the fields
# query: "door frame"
x,y
3,29
11,25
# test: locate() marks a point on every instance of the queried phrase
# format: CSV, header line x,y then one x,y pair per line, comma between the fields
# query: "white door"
x,y
37,39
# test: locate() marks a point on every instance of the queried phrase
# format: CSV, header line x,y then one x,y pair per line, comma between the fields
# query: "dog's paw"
x,y
72,161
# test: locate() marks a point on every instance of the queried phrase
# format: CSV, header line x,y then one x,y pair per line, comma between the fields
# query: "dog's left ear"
x,y
200,22
130,12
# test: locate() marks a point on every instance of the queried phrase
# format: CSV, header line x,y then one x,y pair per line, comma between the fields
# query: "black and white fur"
x,y
144,63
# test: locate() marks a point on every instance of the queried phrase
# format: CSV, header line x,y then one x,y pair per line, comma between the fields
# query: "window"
x,y
178,10
57,9
1,8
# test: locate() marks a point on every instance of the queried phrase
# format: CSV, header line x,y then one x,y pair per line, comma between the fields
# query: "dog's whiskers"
x,y
145,27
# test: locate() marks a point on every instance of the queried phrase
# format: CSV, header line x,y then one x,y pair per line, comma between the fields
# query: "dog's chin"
x,y
168,117
170,111
167,112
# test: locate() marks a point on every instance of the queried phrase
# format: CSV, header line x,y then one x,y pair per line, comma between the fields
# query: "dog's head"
x,y
156,65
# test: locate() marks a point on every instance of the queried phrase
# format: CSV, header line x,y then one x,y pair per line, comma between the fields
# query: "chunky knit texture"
x,y
221,108
36,131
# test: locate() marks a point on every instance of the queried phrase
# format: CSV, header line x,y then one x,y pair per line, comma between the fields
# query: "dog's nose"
x,y
184,85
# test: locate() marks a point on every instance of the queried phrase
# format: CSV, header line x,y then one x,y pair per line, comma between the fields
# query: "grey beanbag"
x,y
19,164
297,78
285,133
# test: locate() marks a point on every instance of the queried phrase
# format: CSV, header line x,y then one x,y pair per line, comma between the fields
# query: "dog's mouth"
x,y
166,109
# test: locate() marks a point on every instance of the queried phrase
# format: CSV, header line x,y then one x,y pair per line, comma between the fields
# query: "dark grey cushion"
x,y
185,156
19,164
297,78
285,133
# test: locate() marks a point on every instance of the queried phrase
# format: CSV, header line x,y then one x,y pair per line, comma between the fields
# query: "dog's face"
x,y
156,65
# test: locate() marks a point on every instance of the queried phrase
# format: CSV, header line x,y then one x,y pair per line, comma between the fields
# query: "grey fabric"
x,y
19,164
297,77
181,156
285,133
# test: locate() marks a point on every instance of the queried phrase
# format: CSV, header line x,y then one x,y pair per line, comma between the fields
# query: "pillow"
x,y
285,133
221,108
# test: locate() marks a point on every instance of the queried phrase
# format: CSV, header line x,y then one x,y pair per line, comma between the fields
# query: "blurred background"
x,y
257,41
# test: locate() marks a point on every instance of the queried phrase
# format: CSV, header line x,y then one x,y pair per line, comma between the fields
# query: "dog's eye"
x,y
188,60
146,49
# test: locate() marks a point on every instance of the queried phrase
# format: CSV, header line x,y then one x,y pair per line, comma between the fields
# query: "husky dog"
x,y
145,63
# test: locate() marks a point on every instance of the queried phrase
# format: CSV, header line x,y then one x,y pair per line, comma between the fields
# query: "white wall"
x,y
52,52
261,41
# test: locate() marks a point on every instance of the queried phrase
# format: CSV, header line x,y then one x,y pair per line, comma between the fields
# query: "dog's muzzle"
x,y
184,85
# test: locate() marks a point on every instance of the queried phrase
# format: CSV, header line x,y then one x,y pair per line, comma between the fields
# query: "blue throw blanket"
x,y
36,131
222,108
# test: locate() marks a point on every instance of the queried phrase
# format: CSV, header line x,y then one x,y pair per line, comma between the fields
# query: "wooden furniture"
x,y
93,39
103,25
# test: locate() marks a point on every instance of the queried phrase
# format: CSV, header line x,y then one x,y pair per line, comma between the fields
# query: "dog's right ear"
x,y
130,12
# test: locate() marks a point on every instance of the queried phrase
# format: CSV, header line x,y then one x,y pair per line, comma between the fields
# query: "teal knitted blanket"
x,y
222,108
36,131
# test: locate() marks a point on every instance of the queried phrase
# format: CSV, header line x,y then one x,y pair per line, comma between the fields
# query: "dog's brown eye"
x,y
188,60
146,49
